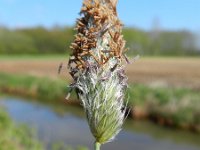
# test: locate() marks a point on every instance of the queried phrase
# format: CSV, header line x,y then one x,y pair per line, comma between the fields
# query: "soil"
x,y
170,72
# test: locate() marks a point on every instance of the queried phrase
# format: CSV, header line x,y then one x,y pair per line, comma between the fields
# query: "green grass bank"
x,y
20,137
16,137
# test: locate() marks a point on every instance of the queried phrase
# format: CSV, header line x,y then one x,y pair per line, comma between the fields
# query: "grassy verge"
x,y
177,107
15,137
166,106
44,89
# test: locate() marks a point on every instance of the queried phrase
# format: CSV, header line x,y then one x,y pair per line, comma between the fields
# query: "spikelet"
x,y
97,69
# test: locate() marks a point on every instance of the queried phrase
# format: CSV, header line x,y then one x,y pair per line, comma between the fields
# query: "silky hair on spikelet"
x,y
96,65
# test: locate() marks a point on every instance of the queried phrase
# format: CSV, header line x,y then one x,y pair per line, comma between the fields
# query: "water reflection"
x,y
73,130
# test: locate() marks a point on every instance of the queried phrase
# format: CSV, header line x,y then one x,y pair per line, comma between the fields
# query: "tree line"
x,y
40,40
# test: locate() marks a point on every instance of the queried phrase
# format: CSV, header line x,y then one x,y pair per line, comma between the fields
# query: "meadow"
x,y
153,71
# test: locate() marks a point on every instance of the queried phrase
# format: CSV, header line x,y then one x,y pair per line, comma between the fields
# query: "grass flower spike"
x,y
96,65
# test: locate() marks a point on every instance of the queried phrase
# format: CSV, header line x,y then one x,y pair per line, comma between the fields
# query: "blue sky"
x,y
166,14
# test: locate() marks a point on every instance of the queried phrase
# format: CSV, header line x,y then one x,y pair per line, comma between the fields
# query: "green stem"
x,y
97,146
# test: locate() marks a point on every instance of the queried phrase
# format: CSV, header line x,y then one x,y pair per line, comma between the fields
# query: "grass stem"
x,y
97,146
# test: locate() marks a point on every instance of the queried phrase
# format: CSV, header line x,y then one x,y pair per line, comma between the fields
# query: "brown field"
x,y
184,72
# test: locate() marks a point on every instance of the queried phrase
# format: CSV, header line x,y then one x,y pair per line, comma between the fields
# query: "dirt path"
x,y
152,71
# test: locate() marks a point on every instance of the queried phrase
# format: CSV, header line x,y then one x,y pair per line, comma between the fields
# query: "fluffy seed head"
x,y
96,67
